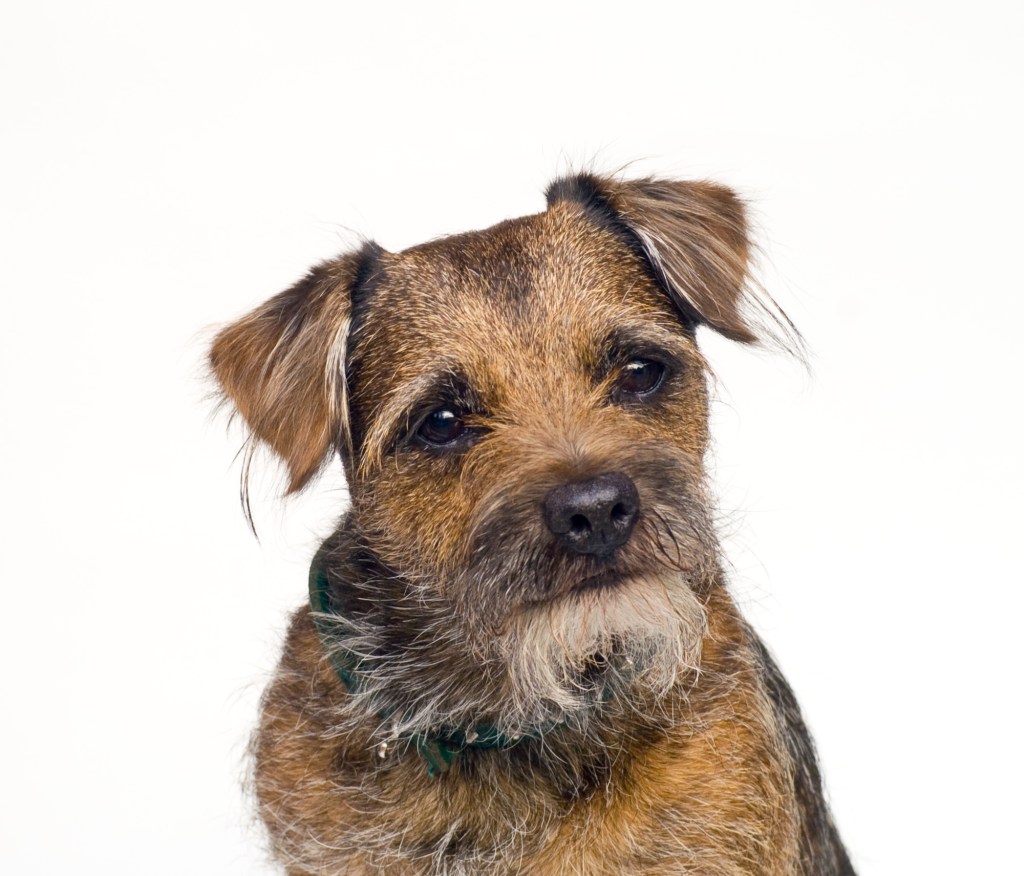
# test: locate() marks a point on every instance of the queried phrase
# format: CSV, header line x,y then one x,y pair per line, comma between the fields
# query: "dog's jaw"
x,y
552,663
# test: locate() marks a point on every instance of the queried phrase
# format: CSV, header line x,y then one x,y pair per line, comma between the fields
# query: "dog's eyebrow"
x,y
639,337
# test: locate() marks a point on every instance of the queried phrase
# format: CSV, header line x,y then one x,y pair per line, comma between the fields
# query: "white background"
x,y
166,168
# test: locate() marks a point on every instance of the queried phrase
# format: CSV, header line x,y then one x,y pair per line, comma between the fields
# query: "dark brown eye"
x,y
641,376
441,427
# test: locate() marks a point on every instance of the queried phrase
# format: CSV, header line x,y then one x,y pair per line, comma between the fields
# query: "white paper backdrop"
x,y
166,167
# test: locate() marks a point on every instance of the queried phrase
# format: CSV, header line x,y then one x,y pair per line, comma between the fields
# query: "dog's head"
x,y
522,414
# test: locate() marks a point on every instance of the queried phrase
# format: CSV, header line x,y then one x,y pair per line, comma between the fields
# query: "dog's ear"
x,y
283,365
692,234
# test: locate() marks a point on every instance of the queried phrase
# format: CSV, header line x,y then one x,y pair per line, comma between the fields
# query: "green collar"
x,y
439,749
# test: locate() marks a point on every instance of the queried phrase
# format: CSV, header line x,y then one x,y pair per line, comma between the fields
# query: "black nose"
x,y
595,516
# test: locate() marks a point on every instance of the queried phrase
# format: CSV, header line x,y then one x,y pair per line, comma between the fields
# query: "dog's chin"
x,y
608,634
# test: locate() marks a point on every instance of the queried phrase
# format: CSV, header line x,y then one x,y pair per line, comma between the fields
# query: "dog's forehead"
x,y
553,281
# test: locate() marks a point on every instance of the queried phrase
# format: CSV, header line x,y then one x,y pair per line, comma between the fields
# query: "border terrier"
x,y
520,654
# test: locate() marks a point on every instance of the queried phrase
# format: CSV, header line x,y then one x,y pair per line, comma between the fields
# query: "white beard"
x,y
648,630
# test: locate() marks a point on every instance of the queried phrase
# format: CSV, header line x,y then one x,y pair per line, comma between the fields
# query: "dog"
x,y
520,655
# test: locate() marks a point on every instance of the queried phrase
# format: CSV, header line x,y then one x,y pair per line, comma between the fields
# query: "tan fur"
x,y
283,367
668,743
712,796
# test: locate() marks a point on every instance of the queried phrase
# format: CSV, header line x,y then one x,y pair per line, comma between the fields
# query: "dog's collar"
x,y
439,749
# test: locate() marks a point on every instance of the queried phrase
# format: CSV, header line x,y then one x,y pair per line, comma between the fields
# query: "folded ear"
x,y
692,234
283,365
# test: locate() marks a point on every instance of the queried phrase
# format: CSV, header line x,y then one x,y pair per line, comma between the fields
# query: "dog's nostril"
x,y
619,513
579,525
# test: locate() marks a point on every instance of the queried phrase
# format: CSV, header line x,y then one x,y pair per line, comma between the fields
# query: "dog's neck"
x,y
438,747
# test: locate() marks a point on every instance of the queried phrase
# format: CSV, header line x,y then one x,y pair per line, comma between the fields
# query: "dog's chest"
x,y
644,823
701,797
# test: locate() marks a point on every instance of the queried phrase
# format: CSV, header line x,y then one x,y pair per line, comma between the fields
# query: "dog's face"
x,y
522,413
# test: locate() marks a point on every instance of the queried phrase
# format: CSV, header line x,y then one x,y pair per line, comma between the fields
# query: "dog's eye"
x,y
640,377
441,427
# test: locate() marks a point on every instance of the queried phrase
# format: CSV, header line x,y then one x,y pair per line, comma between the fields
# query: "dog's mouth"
x,y
594,585
608,579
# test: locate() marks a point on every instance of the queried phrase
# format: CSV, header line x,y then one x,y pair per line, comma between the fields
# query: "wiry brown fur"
x,y
657,736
